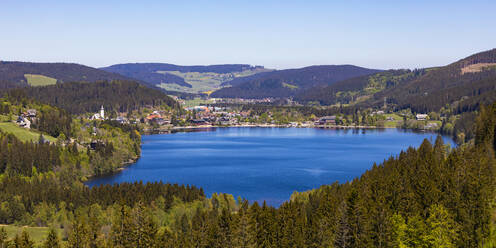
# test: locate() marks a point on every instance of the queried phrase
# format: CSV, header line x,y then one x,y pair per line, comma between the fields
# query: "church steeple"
x,y
102,113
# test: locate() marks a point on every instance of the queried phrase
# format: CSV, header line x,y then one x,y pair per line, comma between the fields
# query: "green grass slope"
x,y
39,80
22,133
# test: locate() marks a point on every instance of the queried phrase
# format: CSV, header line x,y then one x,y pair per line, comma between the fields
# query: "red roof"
x,y
151,117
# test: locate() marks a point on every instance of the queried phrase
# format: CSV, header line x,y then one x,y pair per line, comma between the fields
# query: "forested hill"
x,y
355,89
78,98
468,83
15,74
155,73
287,83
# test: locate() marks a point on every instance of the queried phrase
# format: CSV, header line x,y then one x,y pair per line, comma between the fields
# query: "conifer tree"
x,y
3,237
52,240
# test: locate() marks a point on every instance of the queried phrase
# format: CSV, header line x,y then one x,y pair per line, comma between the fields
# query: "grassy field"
x,y
37,234
22,133
39,80
394,123
293,87
196,102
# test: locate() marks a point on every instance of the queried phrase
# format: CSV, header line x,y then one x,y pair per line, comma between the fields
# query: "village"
x,y
204,116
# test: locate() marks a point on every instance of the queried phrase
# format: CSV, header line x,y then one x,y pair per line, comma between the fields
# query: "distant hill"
x,y
287,83
15,74
355,89
191,79
467,82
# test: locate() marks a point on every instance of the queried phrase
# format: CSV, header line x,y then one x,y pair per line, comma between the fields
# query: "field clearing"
x,y
196,102
394,123
478,67
37,234
293,87
39,80
204,81
22,133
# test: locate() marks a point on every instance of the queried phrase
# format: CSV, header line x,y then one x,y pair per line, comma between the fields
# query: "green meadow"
x,y
22,133
39,80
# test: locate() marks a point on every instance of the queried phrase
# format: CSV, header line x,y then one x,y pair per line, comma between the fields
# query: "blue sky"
x,y
276,34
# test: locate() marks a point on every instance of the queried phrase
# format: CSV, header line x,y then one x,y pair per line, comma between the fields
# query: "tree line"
x,y
80,97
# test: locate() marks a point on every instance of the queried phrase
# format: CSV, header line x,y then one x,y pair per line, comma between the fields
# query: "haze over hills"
x,y
15,74
287,83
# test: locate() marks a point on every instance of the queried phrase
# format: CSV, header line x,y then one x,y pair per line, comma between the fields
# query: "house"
x,y
31,113
421,117
198,122
327,120
122,120
23,122
157,118
225,121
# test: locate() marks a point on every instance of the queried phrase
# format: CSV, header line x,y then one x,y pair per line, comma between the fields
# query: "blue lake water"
x,y
263,163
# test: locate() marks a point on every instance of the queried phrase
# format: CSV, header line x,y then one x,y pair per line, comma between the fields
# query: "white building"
x,y
23,122
99,116
421,117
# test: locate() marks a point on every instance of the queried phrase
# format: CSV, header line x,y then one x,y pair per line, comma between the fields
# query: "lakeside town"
x,y
204,116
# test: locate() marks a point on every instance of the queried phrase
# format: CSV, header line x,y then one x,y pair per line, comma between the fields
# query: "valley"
x,y
299,149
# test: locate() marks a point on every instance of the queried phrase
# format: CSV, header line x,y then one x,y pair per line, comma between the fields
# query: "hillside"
x,y
190,79
287,83
15,74
78,98
465,84
468,82
355,89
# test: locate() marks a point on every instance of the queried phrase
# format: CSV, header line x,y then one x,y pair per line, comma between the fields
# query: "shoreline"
x,y
123,166
199,127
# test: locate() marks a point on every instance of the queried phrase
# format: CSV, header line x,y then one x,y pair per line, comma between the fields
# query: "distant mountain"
x,y
467,83
161,74
15,74
287,83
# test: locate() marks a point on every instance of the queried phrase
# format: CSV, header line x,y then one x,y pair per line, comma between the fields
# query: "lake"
x,y
264,163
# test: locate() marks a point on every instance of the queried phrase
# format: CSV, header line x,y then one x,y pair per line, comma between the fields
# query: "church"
x,y
99,116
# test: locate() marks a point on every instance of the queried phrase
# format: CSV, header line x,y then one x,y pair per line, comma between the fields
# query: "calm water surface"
x,y
263,163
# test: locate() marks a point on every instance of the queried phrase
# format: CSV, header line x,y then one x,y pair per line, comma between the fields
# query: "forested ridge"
x,y
80,97
350,90
421,90
446,85
287,83
12,73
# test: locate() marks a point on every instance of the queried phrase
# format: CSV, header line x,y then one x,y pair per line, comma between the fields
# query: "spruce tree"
x,y
52,240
